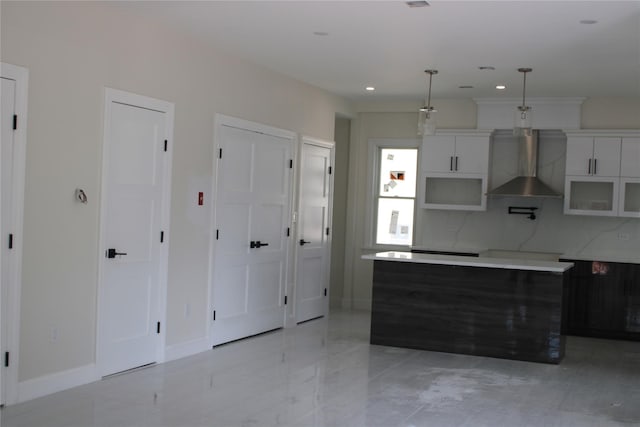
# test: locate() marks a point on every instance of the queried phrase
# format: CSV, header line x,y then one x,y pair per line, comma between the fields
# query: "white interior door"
x,y
314,248
133,272
6,182
13,120
252,211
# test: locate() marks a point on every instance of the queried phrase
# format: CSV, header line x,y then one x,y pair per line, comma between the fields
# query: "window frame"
x,y
375,146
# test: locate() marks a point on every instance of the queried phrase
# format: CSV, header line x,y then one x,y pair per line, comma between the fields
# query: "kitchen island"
x,y
497,307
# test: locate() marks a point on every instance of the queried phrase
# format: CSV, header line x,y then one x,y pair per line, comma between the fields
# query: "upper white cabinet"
x,y
454,170
603,173
599,156
457,154
630,158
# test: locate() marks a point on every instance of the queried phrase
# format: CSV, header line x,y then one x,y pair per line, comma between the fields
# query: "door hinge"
x,y
330,170
158,328
15,121
217,234
214,315
220,153
6,359
325,292
10,241
327,231
162,237
290,163
285,300
288,231
165,145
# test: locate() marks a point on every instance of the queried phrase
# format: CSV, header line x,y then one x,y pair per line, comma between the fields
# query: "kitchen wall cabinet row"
x,y
602,175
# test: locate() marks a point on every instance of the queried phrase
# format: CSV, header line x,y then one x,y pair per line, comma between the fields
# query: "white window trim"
x,y
373,162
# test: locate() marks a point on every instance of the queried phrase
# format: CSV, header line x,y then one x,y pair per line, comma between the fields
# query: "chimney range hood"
x,y
526,184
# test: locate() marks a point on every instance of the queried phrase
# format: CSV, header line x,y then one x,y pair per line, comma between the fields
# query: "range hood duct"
x,y
526,184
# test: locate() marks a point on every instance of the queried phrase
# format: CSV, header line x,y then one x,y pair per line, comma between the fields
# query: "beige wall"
x,y
73,50
400,121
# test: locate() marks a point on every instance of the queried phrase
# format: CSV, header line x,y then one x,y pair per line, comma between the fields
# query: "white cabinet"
x,y
454,171
629,204
455,154
603,173
589,156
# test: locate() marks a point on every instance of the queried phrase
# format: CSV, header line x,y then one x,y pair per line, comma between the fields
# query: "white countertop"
x,y
504,263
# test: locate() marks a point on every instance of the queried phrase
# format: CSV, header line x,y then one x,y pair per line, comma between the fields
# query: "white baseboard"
x,y
188,348
52,383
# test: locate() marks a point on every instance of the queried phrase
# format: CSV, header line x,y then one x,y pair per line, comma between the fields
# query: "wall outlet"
x,y
623,236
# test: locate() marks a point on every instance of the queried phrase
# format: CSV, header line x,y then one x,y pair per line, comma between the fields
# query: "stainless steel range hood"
x,y
526,184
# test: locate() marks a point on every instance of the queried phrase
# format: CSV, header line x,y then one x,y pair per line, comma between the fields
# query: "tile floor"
x,y
325,373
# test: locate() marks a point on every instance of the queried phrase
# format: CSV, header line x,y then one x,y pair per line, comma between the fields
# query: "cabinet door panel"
x,y
630,158
437,153
579,155
472,154
606,157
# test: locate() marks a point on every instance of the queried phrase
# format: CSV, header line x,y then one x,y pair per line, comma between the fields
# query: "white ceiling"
x,y
388,45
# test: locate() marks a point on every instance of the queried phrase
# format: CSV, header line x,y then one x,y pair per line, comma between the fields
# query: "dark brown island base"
x,y
505,308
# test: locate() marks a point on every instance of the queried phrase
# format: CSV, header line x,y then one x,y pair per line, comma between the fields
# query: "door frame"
x,y
306,140
11,308
128,98
235,122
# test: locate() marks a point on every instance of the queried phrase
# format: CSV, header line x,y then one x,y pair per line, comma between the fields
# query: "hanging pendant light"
x,y
426,115
522,126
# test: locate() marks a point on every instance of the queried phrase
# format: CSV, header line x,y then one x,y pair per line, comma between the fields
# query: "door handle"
x,y
589,168
303,242
456,163
595,166
257,244
111,253
451,163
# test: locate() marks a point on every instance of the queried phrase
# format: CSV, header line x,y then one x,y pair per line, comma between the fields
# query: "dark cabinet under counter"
x,y
504,312
602,299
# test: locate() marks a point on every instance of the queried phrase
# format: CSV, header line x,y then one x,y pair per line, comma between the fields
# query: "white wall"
x,y
552,231
73,50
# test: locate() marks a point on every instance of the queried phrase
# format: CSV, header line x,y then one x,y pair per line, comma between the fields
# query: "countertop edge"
x,y
502,263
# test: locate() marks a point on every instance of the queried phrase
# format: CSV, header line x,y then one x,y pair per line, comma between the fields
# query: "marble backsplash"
x,y
578,236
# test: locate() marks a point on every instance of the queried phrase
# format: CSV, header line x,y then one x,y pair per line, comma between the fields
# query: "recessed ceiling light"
x,y
465,87
417,3
370,88
486,67
501,87
320,33
588,21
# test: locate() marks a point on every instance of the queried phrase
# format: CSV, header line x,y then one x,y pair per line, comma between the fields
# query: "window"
x,y
395,195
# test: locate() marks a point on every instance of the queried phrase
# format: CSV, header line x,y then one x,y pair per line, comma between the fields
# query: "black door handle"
x,y
303,242
111,253
257,244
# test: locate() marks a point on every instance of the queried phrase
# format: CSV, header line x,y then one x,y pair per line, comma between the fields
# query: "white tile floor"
x,y
324,373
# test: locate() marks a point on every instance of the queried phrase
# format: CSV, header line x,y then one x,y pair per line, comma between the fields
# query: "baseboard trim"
x,y
185,349
52,383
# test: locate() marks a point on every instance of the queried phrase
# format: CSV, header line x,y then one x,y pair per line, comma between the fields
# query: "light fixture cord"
x,y
429,96
524,86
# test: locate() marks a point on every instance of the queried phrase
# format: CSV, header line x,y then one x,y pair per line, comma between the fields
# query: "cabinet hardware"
x,y
303,242
257,244
595,166
112,253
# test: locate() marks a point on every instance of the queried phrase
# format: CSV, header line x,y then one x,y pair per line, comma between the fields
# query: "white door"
x,y
13,120
472,154
133,242
313,254
6,179
438,152
606,156
252,211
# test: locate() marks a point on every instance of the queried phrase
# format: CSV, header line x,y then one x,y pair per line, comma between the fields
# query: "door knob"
x,y
111,253
257,244
303,242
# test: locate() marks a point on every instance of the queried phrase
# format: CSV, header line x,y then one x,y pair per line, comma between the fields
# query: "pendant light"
x,y
522,126
426,115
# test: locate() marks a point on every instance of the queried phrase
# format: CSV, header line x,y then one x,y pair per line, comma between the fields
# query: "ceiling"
x,y
344,46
